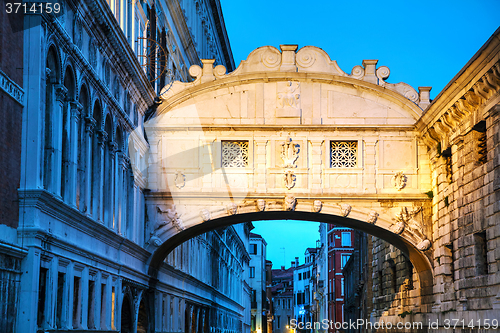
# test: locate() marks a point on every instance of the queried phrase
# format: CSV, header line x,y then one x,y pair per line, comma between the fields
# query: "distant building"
x,y
340,247
282,297
257,282
357,272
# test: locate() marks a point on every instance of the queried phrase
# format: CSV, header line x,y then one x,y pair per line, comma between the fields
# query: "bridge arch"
x,y
289,135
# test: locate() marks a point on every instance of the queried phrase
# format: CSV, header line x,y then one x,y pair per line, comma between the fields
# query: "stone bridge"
x,y
289,135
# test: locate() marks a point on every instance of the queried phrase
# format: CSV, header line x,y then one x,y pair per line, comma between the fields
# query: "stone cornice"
x,y
222,33
52,206
466,95
184,35
104,17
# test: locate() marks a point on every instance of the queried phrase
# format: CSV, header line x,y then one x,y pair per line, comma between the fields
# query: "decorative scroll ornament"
x,y
232,209
180,180
154,240
317,206
261,204
289,153
290,202
372,217
424,245
399,180
289,178
205,215
289,98
398,228
345,209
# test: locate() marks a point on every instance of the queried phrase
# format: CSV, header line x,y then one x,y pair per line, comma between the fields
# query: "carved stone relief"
x,y
289,178
261,204
317,206
232,209
289,153
290,202
372,217
205,215
399,180
345,209
180,180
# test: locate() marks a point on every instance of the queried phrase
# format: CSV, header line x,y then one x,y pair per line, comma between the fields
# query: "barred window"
x,y
234,154
343,154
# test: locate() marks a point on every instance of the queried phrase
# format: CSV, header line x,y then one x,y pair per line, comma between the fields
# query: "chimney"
x,y
296,261
293,264
282,268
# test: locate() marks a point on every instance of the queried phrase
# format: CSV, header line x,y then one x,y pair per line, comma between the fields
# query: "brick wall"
x,y
11,63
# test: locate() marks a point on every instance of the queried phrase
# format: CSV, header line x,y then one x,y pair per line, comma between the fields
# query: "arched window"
x,y
109,218
96,162
69,84
80,173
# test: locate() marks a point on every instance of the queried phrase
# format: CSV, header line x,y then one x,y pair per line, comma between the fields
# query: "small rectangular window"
x,y
61,279
343,154
481,251
234,154
346,239
77,302
42,289
91,306
344,258
252,272
253,248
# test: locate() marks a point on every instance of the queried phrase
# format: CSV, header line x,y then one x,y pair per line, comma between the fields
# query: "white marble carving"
x,y
317,205
289,153
289,179
372,217
180,180
205,215
424,245
399,180
290,202
345,209
261,205
289,98
232,208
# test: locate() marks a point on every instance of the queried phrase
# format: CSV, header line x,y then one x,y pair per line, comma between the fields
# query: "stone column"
x,y
54,148
113,190
72,137
98,211
87,190
316,161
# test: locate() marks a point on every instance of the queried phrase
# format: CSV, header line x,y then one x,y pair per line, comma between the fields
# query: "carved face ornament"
x,y
317,205
261,205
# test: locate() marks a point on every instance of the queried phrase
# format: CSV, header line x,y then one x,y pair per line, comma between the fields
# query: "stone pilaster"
x,y
316,164
71,164
87,205
98,209
260,164
370,160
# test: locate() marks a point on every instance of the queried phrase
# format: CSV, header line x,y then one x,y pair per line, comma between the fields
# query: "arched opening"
x,y
126,323
419,261
142,318
84,100
69,84
49,153
109,217
95,162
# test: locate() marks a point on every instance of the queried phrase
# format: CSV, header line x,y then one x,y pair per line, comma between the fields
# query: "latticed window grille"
x,y
234,154
343,154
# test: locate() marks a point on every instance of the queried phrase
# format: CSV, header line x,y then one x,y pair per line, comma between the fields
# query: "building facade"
x,y
340,247
12,97
282,298
257,282
73,206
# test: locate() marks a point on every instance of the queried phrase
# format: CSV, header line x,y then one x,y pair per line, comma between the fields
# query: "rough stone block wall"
x,y
394,282
466,230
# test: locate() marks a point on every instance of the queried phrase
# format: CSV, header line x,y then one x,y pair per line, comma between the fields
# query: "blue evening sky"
x,y
424,43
